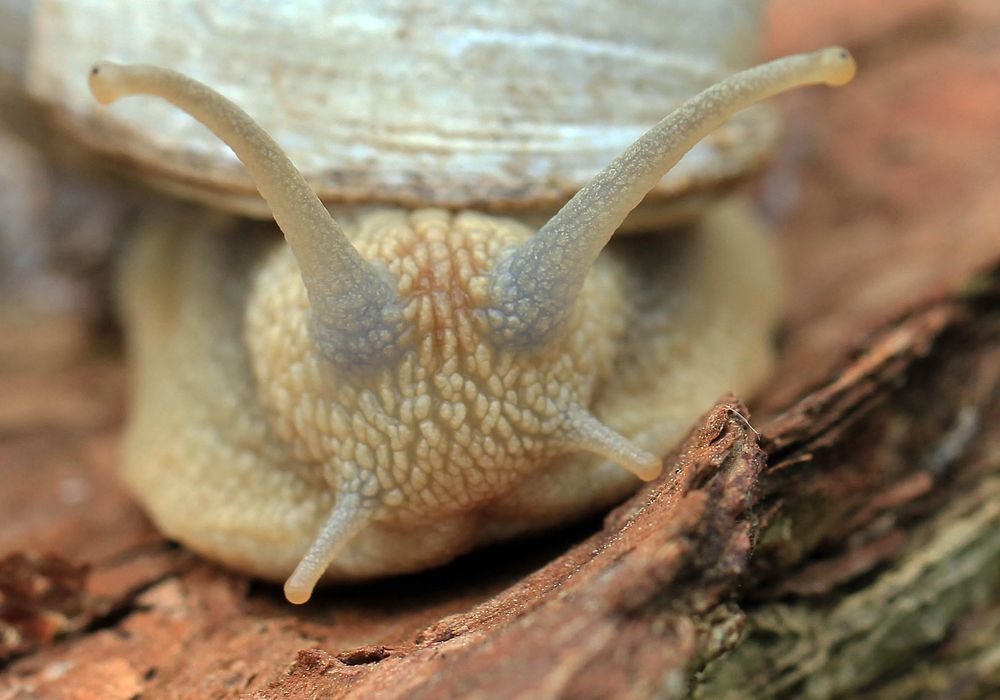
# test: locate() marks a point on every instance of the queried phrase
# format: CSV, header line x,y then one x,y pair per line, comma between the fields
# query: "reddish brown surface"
x,y
41,598
885,190
884,195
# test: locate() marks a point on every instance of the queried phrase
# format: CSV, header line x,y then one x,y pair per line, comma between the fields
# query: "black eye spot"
x,y
95,70
843,54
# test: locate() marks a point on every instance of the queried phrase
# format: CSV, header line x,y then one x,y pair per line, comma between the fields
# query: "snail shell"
x,y
503,106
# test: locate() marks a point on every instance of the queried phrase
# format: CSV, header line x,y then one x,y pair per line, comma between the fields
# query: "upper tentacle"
x,y
355,312
534,288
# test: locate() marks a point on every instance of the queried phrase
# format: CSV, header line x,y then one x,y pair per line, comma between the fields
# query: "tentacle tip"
x,y
649,469
839,65
644,465
296,592
102,79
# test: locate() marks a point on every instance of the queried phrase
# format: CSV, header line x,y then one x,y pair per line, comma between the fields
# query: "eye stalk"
x,y
534,288
355,312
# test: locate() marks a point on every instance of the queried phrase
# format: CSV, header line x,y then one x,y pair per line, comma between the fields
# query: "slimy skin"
x,y
389,391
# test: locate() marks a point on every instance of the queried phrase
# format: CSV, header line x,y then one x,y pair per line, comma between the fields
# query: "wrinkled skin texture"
x,y
242,436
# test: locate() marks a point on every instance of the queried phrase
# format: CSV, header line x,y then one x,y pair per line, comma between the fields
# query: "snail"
x,y
457,355
383,393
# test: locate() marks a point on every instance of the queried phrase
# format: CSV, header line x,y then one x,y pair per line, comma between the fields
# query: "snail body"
x,y
394,388
238,434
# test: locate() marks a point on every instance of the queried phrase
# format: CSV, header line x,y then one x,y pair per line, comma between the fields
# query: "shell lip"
x,y
223,185
664,206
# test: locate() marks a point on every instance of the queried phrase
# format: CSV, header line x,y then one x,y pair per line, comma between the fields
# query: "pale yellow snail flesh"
x,y
396,391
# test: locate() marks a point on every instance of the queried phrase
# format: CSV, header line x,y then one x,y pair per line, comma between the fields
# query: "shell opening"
x,y
354,307
534,288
